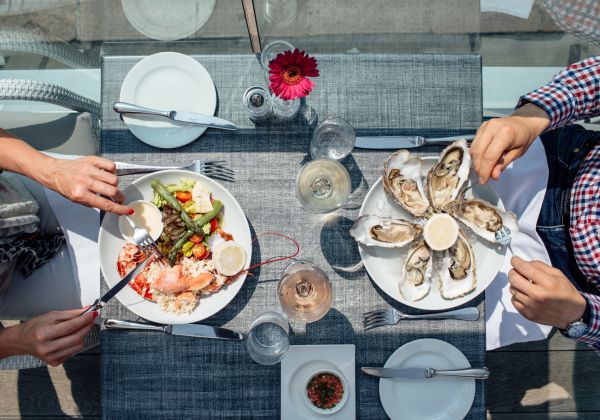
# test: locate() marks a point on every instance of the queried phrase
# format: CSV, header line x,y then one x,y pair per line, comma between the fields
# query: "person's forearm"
x,y
19,157
534,118
572,95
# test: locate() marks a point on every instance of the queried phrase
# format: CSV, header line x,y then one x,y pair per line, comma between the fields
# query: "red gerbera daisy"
x,y
289,73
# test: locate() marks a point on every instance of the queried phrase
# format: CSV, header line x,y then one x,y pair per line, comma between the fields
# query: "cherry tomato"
x,y
183,196
199,251
196,238
214,225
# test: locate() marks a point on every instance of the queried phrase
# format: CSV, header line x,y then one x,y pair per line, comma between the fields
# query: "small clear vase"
x,y
285,110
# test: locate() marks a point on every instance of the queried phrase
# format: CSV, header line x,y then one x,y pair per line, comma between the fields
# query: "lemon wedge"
x,y
229,258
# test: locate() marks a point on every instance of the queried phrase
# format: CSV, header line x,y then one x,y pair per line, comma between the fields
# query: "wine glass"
x,y
323,185
304,292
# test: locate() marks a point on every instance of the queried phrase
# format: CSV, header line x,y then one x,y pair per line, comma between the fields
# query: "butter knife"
x,y
99,303
405,142
183,116
188,330
425,373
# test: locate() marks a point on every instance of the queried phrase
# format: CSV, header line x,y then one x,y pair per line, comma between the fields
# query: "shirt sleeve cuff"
x,y
556,100
592,334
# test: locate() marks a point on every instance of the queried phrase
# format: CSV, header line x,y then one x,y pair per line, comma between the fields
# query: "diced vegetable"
x,y
184,185
196,239
187,248
206,229
199,251
214,225
183,196
205,218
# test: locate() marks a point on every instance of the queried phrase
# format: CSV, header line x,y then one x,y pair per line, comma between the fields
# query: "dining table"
x,y
148,375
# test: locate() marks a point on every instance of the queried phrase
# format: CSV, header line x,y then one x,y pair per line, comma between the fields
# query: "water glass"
x,y
323,185
280,13
270,51
285,110
334,138
268,340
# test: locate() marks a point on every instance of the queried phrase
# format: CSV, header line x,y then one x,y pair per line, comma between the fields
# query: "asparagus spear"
x,y
173,252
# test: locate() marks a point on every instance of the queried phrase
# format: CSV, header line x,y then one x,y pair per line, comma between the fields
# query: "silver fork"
x,y
390,316
142,238
211,168
504,236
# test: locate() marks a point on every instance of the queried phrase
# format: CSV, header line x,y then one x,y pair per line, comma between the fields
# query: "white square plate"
x,y
300,363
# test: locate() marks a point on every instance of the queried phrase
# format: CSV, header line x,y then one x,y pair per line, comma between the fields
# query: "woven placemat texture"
x,y
157,375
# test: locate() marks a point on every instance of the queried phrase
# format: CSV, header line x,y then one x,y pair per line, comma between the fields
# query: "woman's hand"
x,y
499,141
52,337
86,181
543,294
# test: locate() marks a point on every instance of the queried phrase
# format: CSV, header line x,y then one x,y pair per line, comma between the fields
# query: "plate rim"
x,y
163,58
406,347
239,282
134,19
453,303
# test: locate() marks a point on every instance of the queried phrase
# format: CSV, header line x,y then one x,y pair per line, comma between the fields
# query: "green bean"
x,y
205,218
172,201
173,252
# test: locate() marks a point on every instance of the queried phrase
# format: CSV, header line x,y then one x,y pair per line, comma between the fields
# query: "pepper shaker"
x,y
257,101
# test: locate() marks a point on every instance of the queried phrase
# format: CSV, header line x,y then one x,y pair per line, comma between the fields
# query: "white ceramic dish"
x,y
339,406
110,243
180,19
439,398
151,222
300,364
168,81
385,265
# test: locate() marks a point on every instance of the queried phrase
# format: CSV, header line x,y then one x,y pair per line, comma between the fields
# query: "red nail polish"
x,y
95,314
131,211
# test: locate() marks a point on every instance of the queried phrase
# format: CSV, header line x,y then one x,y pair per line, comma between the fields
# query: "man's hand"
x,y
543,294
501,140
53,337
86,181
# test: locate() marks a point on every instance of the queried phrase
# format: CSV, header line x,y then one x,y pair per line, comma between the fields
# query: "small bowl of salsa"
x,y
326,392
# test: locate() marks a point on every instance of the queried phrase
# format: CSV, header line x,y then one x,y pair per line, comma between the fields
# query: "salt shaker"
x,y
257,101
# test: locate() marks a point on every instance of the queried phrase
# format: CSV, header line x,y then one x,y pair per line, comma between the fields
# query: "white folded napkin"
x,y
521,187
518,8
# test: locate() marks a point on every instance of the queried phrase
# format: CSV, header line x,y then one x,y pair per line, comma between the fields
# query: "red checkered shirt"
x,y
574,94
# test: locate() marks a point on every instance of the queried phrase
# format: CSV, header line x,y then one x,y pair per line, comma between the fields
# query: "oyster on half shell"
x,y
457,275
402,181
416,277
483,218
450,172
384,232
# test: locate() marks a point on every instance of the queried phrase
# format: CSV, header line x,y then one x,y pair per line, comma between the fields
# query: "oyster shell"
x,y
446,177
402,181
384,232
416,277
457,276
483,218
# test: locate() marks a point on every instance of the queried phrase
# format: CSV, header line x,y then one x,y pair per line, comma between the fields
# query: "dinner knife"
x,y
425,373
405,142
188,330
99,303
188,117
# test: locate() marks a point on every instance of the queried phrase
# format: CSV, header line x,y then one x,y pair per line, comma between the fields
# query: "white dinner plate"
x,y
439,398
157,20
300,363
168,81
385,266
110,243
